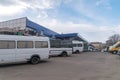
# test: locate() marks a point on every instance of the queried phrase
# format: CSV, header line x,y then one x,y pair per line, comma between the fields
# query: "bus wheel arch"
x,y
35,59
77,51
115,52
64,53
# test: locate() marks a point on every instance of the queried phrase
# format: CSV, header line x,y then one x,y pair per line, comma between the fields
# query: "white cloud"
x,y
92,11
43,15
13,7
88,11
99,2
104,3
68,1
39,4
88,31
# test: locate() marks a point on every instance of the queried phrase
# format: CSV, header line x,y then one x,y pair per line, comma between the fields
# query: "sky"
x,y
94,20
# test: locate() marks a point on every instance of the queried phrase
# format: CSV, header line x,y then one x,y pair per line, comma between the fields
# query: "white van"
x,y
15,48
60,48
77,46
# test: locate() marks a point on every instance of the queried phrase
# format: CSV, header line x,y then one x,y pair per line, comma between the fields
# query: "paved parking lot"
x,y
85,66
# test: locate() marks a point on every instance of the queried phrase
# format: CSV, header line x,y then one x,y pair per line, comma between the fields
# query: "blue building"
x,y
74,36
28,27
38,29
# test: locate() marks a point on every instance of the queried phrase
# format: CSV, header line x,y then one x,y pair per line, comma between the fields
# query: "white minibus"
x,y
77,46
60,47
15,48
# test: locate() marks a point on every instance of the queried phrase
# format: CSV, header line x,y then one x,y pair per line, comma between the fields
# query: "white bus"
x,y
78,46
23,48
60,48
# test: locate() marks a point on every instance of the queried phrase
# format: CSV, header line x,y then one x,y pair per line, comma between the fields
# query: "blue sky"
x,y
95,20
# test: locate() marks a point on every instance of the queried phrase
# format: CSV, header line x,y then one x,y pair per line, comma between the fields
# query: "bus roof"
x,y
16,37
76,42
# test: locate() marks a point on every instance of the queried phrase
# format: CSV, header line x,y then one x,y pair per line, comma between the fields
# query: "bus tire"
x,y
35,60
77,51
114,52
64,54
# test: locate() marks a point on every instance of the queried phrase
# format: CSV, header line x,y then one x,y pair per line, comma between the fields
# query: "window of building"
x,y
55,43
66,44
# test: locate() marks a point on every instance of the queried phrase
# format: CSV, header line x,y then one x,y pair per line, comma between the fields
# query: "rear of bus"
x,y
77,46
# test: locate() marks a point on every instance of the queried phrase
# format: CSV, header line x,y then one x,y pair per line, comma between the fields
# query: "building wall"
x,y
25,26
15,24
97,45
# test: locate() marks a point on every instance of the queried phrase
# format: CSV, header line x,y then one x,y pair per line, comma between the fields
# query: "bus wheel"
x,y
77,52
114,52
64,54
35,60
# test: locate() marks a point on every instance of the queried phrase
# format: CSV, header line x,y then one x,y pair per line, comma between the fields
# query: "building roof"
x,y
38,28
51,33
66,35
75,36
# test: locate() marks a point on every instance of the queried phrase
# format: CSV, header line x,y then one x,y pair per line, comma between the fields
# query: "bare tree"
x,y
113,39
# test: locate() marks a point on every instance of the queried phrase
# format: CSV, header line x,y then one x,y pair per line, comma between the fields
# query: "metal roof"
x,y
75,36
47,32
66,35
38,28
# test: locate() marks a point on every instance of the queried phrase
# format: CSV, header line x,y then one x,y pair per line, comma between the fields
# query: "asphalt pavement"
x,y
84,66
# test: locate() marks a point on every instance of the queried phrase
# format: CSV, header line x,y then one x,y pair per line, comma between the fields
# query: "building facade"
x,y
97,45
24,26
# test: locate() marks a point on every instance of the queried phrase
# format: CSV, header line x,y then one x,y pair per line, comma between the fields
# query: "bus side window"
x,y
38,44
41,44
54,44
44,44
24,44
74,45
29,44
118,46
79,45
11,44
7,44
21,44
3,45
